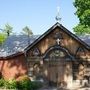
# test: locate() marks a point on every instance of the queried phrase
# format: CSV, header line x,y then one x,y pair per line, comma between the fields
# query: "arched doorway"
x,y
58,63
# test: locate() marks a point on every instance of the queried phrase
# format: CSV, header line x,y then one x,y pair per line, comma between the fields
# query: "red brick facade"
x,y
13,67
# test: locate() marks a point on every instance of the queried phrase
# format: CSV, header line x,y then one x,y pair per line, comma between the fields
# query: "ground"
x,y
73,88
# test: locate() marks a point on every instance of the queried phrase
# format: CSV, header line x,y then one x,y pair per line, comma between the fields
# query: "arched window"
x,y
80,51
57,52
36,52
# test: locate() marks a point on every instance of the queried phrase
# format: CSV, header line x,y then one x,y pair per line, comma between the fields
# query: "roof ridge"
x,y
53,27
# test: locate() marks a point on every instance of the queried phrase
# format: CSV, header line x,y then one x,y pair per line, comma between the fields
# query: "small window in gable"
x,y
36,52
80,51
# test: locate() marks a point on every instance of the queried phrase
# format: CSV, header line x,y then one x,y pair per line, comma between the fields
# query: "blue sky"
x,y
39,15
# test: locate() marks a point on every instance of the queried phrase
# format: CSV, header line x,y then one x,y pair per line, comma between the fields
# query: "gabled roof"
x,y
86,39
65,30
16,44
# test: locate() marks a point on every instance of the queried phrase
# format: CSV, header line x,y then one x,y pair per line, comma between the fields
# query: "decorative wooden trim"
x,y
57,47
57,25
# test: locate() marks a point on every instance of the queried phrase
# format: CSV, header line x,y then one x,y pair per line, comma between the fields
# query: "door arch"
x,y
57,58
59,49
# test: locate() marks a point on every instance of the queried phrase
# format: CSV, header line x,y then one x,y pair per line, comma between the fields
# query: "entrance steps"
x,y
75,85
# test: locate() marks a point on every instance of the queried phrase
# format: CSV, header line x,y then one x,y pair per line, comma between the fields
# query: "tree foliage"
x,y
2,38
81,29
27,31
5,33
83,13
8,29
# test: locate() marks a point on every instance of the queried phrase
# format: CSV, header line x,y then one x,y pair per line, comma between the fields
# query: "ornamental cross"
x,y
58,41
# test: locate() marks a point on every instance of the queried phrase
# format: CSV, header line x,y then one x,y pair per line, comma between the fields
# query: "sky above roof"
x,y
39,15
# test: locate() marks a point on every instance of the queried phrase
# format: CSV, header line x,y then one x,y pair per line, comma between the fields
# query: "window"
x,y
56,54
80,51
36,52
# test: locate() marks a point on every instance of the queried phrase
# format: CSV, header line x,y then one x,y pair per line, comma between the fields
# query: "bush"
x,y
2,82
28,85
23,77
35,85
10,84
23,84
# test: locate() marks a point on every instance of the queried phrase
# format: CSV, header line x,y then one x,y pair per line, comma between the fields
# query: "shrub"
x,y
23,77
23,82
2,82
24,85
10,84
35,85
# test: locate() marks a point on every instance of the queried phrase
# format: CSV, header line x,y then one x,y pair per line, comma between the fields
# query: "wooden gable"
x,y
69,41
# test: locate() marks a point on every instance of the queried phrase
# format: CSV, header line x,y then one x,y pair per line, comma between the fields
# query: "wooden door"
x,y
56,72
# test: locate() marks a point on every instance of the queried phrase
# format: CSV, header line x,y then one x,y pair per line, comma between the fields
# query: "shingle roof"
x,y
19,43
86,39
16,43
58,25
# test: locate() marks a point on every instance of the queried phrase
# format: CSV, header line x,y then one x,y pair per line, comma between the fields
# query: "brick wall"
x,y
13,67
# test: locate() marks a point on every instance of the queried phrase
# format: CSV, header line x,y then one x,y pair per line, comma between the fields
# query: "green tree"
x,y
83,13
8,29
27,31
2,38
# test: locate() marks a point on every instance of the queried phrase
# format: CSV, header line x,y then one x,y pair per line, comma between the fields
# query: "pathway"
x,y
54,88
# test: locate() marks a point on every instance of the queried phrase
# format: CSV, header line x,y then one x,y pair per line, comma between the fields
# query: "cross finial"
x,y
58,14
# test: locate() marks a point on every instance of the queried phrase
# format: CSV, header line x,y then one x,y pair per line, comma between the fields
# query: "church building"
x,y
57,57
